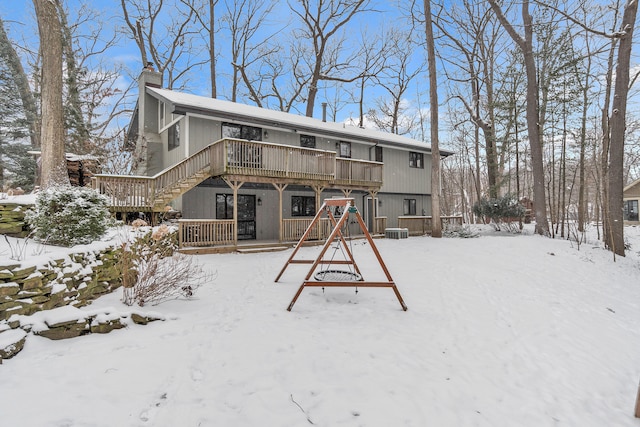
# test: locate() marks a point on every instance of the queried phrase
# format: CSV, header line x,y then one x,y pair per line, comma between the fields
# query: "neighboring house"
x,y
265,172
631,197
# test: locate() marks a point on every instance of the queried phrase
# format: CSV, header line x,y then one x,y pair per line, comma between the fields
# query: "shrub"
x,y
461,232
154,272
68,216
502,210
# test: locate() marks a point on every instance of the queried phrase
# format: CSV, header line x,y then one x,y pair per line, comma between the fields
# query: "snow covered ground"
x,y
502,330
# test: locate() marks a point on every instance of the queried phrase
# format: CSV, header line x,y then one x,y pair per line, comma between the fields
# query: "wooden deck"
x,y
243,161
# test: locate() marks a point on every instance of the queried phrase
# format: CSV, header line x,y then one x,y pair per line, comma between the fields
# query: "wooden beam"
x,y
280,188
235,186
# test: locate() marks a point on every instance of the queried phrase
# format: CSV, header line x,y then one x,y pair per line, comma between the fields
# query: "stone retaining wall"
x,y
75,280
12,219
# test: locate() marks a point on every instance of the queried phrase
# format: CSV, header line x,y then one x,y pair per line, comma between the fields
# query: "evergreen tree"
x,y
17,166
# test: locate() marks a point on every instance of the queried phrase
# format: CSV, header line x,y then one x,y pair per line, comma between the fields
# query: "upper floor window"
x,y
307,141
345,149
378,154
416,160
234,130
303,206
173,136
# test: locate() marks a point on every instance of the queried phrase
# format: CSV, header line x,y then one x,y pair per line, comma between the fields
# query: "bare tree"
x,y
476,37
399,71
372,58
245,18
525,43
210,28
322,21
618,128
165,38
436,225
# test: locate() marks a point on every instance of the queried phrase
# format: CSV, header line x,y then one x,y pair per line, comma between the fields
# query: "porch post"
x,y
280,188
373,212
235,186
318,190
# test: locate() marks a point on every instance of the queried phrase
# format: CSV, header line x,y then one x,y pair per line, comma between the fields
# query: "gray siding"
x,y
400,178
202,132
392,205
400,181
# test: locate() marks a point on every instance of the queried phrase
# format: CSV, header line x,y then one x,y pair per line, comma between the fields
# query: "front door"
x,y
246,213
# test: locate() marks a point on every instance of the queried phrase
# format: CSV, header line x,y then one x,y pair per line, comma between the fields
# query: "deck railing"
x,y
275,160
293,229
236,157
206,232
125,193
187,168
380,224
140,193
358,172
420,225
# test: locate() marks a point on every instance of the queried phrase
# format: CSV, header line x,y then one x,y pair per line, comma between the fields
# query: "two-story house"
x,y
255,173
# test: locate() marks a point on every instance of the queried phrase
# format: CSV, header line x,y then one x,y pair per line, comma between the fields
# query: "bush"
x,y
501,210
68,216
153,271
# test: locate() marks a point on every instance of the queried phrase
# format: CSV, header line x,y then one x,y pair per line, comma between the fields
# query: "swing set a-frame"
x,y
326,275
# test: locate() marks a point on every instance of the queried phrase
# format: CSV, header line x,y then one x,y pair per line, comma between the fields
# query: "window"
x,y
224,206
307,141
303,206
345,149
409,207
242,154
416,160
631,210
174,136
234,130
378,154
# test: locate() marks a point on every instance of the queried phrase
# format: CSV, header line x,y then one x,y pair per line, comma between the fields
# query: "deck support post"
x,y
280,188
235,186
373,212
318,190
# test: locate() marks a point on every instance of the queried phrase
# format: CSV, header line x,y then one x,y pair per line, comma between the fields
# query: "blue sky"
x,y
20,23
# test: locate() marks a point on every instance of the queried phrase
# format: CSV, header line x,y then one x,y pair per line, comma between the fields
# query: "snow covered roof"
x,y
631,186
188,103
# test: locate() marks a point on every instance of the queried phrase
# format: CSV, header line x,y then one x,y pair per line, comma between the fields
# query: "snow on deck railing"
x,y
236,157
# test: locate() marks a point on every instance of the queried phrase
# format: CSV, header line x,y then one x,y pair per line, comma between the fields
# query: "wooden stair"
x,y
178,188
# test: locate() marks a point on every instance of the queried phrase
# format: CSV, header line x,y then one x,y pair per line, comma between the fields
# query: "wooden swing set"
x,y
328,276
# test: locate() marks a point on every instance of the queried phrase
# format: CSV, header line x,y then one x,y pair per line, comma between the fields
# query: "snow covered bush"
x,y
503,210
68,216
461,232
153,271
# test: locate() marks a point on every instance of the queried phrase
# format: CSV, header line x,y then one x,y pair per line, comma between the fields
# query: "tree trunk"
x,y
583,145
212,48
54,165
606,134
436,225
533,117
617,127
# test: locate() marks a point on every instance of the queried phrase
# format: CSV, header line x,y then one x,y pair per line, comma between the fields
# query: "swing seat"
x,y
337,276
